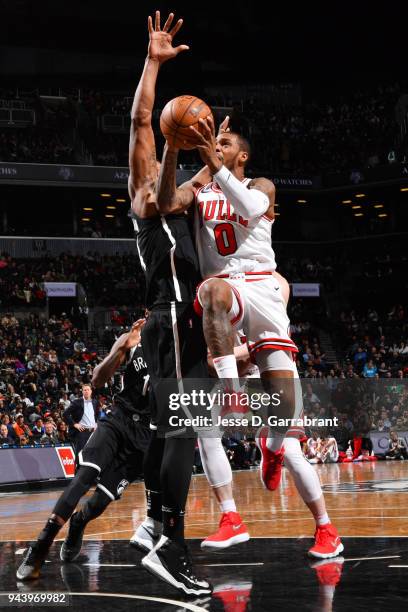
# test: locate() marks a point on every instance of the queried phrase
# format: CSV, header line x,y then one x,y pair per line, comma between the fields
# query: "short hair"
x,y
86,385
243,144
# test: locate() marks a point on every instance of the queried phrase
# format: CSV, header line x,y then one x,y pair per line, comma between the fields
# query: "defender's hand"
x,y
133,337
160,41
207,144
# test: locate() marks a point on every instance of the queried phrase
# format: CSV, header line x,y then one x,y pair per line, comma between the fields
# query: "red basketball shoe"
x,y
327,542
231,531
271,462
328,571
235,596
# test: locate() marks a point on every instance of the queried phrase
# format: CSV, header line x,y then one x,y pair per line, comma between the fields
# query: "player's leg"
x,y
148,532
219,475
266,326
327,541
221,306
97,454
90,510
171,351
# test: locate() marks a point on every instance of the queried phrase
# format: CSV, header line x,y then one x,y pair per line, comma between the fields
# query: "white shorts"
x,y
259,309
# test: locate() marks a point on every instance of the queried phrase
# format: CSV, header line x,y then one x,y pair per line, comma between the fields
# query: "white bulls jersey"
x,y
225,241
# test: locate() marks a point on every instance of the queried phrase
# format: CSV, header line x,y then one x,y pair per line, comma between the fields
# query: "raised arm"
x,y
142,149
105,370
171,199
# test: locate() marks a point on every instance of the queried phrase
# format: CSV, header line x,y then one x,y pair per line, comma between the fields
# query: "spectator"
x,y
396,448
21,429
369,370
50,436
5,438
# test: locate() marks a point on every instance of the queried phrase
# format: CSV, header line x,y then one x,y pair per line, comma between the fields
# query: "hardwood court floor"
x,y
270,572
363,499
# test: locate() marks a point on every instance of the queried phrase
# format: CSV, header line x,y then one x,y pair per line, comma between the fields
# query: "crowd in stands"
x,y
108,278
42,366
349,132
39,145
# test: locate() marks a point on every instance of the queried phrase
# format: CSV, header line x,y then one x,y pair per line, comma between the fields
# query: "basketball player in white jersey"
x,y
234,217
218,471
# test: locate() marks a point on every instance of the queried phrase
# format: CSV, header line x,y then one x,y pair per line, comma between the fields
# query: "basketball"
x,y
177,117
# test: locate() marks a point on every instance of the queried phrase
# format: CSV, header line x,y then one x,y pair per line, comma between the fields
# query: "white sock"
x,y
323,519
228,505
156,526
275,443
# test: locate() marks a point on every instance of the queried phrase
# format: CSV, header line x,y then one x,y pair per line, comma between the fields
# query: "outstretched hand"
x,y
133,336
161,40
224,126
207,144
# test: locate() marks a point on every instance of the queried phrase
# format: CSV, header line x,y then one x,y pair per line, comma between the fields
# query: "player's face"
x,y
227,149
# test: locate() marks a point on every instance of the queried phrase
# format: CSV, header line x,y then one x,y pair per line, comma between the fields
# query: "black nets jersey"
x,y
168,259
135,397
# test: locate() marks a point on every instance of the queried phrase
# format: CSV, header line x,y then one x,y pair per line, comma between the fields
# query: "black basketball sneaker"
x,y
71,546
171,562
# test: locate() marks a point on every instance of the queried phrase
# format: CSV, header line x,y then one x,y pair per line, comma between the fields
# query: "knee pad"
x,y
215,462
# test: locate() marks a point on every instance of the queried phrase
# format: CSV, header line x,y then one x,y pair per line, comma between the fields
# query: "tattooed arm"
x,y
170,199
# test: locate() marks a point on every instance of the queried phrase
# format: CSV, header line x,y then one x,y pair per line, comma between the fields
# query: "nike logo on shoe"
x,y
235,527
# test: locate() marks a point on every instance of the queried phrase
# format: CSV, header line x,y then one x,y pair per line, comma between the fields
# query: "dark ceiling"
x,y
288,39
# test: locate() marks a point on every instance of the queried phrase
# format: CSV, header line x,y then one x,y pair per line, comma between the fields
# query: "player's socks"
x,y
231,530
147,534
37,552
322,519
170,561
228,505
71,546
154,504
173,523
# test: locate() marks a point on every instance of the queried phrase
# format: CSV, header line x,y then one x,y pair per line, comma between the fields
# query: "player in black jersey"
x,y
112,457
173,340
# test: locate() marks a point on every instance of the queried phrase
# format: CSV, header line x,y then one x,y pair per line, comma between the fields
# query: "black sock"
x,y
173,524
47,536
154,505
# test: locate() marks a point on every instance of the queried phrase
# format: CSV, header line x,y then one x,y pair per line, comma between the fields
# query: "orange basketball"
x,y
177,117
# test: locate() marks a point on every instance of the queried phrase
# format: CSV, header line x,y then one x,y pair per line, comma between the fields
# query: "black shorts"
x,y
174,347
116,449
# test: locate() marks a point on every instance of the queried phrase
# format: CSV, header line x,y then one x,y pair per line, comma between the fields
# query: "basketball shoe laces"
x,y
325,537
225,521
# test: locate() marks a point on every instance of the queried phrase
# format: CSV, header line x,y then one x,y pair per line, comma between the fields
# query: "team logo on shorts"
x,y
121,487
368,486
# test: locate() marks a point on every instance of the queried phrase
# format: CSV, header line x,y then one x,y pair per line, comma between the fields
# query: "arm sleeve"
x,y
249,203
